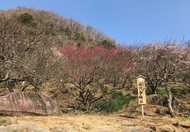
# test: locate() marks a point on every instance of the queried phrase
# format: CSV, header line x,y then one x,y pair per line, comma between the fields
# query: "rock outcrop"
x,y
28,102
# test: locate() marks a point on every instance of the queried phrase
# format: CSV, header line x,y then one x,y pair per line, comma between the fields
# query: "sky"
x,y
128,22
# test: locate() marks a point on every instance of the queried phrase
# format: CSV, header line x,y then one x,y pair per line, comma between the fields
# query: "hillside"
x,y
85,72
30,41
60,31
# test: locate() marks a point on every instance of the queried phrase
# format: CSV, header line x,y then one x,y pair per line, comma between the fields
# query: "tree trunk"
x,y
10,89
171,111
154,90
152,87
37,89
88,106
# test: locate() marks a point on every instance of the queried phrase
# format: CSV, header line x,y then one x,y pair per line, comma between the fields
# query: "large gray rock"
x,y
30,102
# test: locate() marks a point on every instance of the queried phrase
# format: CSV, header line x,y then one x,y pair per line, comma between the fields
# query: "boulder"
x,y
28,102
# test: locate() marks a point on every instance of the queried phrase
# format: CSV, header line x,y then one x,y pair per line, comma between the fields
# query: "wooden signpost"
x,y
141,92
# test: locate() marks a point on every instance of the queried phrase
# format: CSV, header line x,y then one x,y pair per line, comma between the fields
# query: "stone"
x,y
153,128
161,111
165,128
28,102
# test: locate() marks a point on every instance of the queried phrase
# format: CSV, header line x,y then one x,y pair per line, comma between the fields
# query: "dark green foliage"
x,y
149,91
25,18
107,44
180,90
118,96
79,44
185,91
134,90
104,90
162,91
79,37
67,32
118,100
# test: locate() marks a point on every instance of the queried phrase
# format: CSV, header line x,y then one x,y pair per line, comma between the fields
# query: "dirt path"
x,y
77,123
100,123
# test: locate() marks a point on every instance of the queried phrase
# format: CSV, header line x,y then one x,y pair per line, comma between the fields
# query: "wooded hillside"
x,y
38,48
30,41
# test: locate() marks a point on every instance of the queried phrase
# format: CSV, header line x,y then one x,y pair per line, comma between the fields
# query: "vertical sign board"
x,y
141,90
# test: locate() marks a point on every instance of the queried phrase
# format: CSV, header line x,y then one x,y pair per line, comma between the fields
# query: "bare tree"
x,y
87,70
24,52
162,64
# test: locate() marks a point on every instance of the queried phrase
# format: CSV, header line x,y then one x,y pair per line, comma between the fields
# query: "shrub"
x,y
67,32
79,37
134,90
162,92
104,90
118,100
185,91
107,44
117,96
25,18
148,91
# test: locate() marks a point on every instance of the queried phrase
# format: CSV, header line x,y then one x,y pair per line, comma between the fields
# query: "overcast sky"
x,y
126,21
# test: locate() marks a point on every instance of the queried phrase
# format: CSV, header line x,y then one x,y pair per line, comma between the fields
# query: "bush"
x,y
25,18
118,96
67,32
134,90
107,44
104,90
79,37
162,92
118,100
148,91
185,91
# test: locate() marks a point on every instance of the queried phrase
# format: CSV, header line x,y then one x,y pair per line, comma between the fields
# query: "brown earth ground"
x,y
119,122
